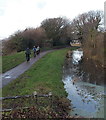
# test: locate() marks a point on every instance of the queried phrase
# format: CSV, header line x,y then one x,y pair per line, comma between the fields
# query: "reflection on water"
x,y
91,72
87,99
76,56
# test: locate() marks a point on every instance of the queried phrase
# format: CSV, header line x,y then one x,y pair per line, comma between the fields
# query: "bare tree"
x,y
55,29
23,39
87,23
87,26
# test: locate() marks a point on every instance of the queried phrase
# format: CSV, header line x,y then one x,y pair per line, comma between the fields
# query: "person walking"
x,y
27,52
34,51
38,50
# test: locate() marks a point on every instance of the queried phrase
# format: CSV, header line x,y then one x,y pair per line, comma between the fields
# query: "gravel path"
x,y
20,69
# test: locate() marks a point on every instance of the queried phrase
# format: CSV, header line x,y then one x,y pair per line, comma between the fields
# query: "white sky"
x,y
20,14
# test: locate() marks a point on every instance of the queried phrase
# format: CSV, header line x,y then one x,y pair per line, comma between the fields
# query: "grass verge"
x,y
44,76
11,61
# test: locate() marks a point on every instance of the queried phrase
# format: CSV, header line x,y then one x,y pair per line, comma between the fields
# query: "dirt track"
x,y
20,69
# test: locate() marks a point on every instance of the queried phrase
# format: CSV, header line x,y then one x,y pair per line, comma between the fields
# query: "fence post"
x,y
35,96
50,97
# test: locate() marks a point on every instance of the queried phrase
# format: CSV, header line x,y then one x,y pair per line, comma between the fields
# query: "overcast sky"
x,y
20,14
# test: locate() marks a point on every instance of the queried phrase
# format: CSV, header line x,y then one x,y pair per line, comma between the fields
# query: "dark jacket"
x,y
28,51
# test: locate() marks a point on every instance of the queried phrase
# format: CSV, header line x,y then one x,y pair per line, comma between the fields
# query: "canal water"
x,y
86,98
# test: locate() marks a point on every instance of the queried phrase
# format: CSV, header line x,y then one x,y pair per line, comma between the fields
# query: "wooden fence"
x,y
35,97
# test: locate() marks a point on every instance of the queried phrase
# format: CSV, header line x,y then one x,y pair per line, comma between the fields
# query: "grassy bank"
x,y
44,76
11,61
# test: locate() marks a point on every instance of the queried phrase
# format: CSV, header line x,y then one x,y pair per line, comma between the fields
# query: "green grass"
x,y
44,76
11,61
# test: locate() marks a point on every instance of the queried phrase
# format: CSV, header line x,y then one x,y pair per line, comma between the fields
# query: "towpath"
x,y
14,73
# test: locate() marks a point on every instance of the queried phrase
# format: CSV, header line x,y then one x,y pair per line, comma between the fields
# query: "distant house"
x,y
75,42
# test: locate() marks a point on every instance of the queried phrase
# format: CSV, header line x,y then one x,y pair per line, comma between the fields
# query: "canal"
x,y
85,91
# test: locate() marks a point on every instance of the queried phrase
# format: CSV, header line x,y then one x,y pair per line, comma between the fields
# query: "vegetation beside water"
x,y
44,76
86,27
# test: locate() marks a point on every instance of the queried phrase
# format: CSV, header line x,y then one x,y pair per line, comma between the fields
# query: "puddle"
x,y
7,76
87,99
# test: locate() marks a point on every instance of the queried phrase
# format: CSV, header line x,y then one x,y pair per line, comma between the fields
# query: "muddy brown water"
x,y
85,87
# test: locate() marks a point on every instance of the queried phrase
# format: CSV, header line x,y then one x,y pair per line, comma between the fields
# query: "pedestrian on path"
x,y
27,52
34,51
38,50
